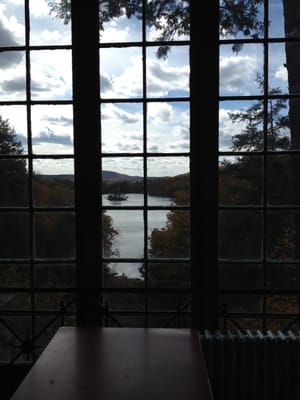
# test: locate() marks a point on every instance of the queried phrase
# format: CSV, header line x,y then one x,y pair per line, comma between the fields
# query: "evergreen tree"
x,y
14,192
13,173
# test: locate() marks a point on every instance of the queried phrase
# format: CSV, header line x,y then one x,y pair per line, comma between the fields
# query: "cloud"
x,y
281,73
50,137
112,112
227,129
128,147
163,78
179,146
16,85
236,72
40,9
166,73
105,84
163,112
181,132
153,148
10,58
62,121
6,36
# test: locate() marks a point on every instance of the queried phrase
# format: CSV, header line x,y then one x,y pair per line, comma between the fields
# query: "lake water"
x,y
129,242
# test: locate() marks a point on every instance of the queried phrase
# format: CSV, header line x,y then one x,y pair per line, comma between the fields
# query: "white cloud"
x,y
236,72
12,30
281,73
227,129
38,8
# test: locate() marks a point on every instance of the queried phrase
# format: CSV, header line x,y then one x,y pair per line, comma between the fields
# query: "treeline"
x,y
162,187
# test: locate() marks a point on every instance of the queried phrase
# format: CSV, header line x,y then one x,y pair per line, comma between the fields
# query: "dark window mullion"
x,y
85,56
204,164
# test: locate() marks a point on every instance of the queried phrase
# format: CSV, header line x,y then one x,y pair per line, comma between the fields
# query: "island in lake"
x,y
117,197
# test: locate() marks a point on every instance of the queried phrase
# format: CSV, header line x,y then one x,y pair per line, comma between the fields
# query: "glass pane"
x,y
278,82
15,275
125,121
54,235
168,275
168,77
12,28
122,23
128,241
121,72
283,276
55,276
14,233
239,70
241,125
13,182
163,22
168,302
51,76
282,179
236,19
240,234
283,229
168,234
240,276
13,121
276,18
12,75
168,182
124,301
279,130
168,127
240,180
49,22
53,183
52,129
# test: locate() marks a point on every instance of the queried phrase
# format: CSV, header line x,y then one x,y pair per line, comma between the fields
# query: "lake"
x,y
129,242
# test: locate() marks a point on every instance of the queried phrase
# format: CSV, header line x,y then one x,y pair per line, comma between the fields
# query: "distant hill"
x,y
115,176
109,176
106,175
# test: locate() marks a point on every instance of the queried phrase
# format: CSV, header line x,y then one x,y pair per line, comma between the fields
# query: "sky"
x,y
121,76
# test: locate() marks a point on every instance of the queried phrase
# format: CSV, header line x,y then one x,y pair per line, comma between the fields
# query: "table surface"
x,y
83,363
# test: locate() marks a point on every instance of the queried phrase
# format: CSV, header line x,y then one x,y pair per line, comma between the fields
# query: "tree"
x,y
13,171
54,232
171,18
172,241
14,192
236,16
252,138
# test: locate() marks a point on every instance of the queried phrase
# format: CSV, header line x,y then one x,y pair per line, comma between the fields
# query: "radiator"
x,y
253,366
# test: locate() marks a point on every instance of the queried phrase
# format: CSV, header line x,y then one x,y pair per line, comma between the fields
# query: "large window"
x,y
259,165
95,168
149,166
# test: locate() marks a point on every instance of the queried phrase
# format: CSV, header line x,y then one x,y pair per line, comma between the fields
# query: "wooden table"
x,y
118,364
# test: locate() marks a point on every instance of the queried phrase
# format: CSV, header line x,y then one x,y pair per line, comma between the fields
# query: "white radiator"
x,y
253,366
